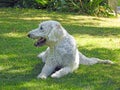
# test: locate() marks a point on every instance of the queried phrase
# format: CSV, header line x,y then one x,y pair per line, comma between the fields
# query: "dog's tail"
x,y
90,61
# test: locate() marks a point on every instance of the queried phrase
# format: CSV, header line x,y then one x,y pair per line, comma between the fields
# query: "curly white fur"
x,y
61,51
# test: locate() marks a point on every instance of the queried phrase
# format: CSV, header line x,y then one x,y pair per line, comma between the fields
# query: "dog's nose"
x,y
28,35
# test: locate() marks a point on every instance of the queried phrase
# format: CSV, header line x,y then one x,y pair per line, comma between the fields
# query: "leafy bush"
x,y
7,3
25,3
91,7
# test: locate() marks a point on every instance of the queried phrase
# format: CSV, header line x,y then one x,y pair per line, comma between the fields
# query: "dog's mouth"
x,y
40,42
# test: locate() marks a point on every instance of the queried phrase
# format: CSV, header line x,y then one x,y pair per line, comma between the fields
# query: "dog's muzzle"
x,y
40,42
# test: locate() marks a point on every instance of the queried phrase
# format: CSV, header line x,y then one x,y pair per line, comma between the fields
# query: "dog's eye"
x,y
41,28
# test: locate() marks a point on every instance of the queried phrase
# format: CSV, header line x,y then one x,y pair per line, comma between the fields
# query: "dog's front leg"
x,y
46,71
44,55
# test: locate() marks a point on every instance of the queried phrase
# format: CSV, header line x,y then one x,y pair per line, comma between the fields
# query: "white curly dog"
x,y
62,50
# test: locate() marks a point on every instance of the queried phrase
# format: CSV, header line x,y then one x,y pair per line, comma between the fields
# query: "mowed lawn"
x,y
95,37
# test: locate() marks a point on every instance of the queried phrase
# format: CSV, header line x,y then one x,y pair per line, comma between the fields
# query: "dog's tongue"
x,y
40,42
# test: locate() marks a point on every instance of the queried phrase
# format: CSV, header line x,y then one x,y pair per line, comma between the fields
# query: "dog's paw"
x,y
55,76
41,77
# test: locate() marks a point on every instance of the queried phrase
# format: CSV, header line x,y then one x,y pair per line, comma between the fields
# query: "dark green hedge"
x,y
24,3
7,3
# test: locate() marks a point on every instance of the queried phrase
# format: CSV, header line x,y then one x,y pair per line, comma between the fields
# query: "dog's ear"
x,y
56,33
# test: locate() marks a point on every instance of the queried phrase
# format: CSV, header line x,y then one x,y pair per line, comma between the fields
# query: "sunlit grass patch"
x,y
94,42
14,35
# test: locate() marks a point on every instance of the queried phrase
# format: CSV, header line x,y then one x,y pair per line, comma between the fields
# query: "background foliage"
x,y
91,7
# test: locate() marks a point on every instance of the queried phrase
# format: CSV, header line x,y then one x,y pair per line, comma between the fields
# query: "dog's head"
x,y
47,32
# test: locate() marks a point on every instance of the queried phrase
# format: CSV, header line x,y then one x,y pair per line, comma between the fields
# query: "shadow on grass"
x,y
71,28
74,29
93,31
24,20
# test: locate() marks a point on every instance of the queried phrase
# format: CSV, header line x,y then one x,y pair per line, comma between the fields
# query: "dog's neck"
x,y
53,44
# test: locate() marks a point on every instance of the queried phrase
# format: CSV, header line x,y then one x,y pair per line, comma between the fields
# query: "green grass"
x,y
95,37
118,2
